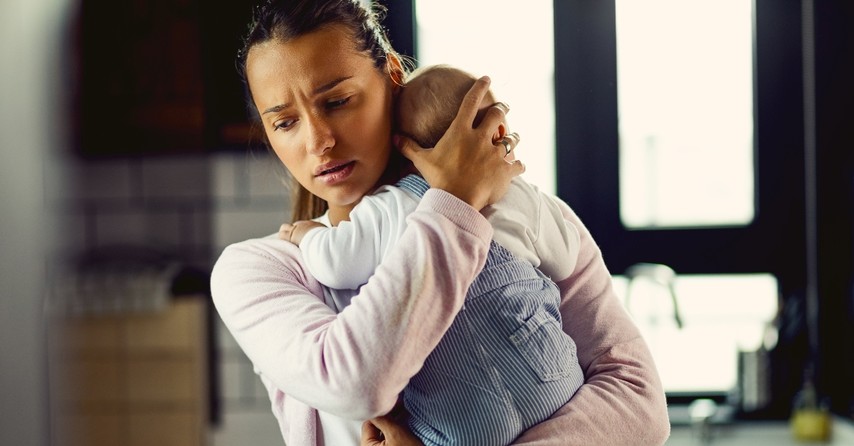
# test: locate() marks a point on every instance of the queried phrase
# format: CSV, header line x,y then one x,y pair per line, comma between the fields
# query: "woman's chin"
x,y
345,198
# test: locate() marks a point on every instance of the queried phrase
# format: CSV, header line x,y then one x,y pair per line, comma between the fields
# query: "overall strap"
x,y
414,183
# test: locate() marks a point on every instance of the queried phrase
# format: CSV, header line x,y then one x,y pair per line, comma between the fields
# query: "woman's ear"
x,y
395,69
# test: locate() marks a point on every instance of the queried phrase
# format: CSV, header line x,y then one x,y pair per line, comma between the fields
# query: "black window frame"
x,y
588,162
775,242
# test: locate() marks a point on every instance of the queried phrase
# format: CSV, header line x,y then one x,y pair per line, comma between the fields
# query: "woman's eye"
x,y
284,124
337,103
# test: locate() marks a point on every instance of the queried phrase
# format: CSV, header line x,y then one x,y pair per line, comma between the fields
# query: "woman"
x,y
322,77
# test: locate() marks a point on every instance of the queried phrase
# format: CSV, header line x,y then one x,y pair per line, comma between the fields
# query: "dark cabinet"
x,y
159,76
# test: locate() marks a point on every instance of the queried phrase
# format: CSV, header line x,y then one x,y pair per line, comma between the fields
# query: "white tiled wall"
x,y
190,207
249,197
249,200
161,204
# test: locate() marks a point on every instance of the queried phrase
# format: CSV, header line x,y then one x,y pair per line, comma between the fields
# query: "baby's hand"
x,y
296,231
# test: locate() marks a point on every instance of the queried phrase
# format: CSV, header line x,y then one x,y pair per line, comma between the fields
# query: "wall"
x,y
190,207
56,207
29,124
249,201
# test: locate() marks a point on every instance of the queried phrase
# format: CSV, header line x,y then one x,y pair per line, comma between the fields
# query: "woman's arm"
x,y
622,400
353,364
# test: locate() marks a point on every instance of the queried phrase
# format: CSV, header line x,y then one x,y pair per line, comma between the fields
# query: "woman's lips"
x,y
331,173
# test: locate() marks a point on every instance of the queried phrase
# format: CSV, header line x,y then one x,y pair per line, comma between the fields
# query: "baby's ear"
x,y
500,133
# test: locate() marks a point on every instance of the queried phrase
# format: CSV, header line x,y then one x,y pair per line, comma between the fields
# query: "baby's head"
x,y
430,100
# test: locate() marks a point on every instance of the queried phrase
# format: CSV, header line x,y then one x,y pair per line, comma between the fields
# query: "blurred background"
x,y
704,143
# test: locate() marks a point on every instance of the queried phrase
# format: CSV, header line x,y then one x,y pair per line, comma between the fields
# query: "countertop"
x,y
760,433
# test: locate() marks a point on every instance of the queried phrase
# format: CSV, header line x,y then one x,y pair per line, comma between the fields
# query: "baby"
x,y
505,363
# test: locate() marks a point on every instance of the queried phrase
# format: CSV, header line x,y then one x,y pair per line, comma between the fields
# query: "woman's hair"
x,y
284,20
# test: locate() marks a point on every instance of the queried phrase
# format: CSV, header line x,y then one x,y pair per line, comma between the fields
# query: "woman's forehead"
x,y
309,60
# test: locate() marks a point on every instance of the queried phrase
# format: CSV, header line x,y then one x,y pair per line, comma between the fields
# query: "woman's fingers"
x,y
386,432
509,142
465,162
408,147
514,139
494,116
471,103
516,168
422,158
371,435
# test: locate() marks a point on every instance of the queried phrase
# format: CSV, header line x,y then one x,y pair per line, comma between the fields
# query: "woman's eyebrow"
x,y
330,85
276,108
321,89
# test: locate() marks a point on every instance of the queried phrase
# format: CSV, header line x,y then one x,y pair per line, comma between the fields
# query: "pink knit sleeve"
x,y
354,363
622,400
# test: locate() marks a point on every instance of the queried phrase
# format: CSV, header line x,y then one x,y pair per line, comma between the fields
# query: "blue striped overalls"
x,y
505,363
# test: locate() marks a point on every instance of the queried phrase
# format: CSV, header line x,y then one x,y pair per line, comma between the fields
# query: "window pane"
x,y
479,36
685,77
721,315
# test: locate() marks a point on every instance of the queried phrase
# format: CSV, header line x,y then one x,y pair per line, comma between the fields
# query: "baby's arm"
x,y
342,257
327,253
345,256
353,364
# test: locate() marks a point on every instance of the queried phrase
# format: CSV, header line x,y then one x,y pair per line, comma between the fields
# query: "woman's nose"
x,y
320,136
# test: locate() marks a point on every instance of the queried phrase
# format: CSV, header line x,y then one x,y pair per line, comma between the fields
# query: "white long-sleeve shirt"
x,y
525,221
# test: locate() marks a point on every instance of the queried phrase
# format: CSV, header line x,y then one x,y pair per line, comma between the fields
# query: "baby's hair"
x,y
434,93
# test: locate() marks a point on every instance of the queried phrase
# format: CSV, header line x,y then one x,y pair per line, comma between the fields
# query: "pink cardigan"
x,y
355,363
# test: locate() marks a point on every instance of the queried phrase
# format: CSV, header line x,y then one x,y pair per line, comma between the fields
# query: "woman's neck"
x,y
337,214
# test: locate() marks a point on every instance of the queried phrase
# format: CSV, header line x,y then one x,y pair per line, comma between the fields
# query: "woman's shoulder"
x,y
268,246
255,258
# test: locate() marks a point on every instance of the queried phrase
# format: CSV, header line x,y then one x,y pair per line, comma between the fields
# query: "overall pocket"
x,y
549,351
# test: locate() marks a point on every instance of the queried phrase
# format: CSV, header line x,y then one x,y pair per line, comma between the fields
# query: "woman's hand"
x,y
385,431
466,162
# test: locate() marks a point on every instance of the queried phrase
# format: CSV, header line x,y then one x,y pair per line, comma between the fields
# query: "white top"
x,y
337,431
526,221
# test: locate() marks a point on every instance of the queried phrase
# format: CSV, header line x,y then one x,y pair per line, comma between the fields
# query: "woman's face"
x,y
326,111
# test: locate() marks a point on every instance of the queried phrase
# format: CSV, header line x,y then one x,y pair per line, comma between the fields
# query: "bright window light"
x,y
685,96
721,314
513,43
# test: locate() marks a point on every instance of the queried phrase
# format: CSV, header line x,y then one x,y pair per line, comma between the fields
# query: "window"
x,y
720,315
762,234
751,225
520,63
686,151
685,109
680,143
